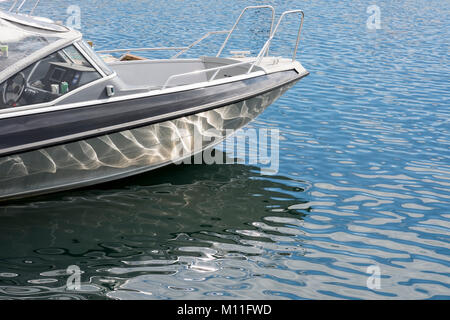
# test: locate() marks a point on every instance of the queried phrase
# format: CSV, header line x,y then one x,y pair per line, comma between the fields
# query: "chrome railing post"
x,y
35,5
21,5
197,42
265,49
302,14
259,56
13,5
239,18
183,49
299,30
128,50
217,69
215,75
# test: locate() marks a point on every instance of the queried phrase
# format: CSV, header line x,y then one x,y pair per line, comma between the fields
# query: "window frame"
x,y
103,68
92,61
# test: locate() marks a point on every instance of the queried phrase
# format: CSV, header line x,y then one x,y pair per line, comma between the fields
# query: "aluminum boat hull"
x,y
131,150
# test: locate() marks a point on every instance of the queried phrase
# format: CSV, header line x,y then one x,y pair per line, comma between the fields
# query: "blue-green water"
x,y
364,176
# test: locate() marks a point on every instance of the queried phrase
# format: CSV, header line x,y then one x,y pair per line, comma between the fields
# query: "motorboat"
x,y
72,117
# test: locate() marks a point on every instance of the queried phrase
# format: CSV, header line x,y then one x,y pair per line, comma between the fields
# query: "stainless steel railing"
x,y
198,41
180,49
302,18
35,5
252,62
140,49
13,5
192,73
239,19
265,49
21,5
206,35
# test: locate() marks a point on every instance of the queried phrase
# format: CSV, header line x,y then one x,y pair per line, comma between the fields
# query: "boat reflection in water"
x,y
195,221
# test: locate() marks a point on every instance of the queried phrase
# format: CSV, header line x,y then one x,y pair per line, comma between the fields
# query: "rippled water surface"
x,y
364,177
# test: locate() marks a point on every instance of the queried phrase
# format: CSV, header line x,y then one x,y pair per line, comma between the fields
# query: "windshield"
x,y
100,63
17,43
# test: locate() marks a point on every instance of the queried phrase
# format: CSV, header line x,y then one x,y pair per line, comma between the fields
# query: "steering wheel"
x,y
14,89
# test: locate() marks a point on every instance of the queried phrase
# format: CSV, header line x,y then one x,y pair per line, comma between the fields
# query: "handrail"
x,y
206,35
265,48
35,5
183,49
13,5
141,49
302,14
254,62
260,55
239,18
217,69
21,5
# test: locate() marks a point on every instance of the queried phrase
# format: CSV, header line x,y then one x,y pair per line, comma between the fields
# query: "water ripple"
x,y
364,173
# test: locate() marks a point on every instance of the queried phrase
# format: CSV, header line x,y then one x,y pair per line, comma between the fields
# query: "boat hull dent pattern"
x,y
117,155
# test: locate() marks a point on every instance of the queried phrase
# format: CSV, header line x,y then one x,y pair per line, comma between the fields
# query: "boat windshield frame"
x,y
93,58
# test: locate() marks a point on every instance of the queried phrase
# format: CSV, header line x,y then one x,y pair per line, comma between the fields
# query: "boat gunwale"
x,y
143,122
53,106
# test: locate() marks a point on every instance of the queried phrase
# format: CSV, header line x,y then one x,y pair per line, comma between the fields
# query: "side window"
x,y
47,79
